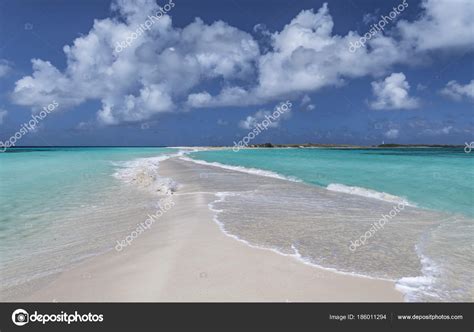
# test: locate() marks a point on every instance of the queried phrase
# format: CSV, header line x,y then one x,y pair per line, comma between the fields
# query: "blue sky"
x,y
207,71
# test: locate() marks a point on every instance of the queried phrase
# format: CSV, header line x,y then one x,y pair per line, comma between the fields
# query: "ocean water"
x,y
432,178
62,205
331,197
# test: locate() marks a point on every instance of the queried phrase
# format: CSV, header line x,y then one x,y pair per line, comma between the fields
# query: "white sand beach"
x,y
185,256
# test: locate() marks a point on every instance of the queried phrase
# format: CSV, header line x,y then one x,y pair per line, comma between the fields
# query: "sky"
x,y
186,72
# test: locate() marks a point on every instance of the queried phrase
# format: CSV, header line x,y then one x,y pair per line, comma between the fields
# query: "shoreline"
x,y
186,257
296,255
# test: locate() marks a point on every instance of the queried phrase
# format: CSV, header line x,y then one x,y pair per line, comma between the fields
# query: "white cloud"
x,y
307,57
444,24
3,114
306,103
201,99
392,93
221,122
447,130
305,100
369,18
252,121
458,91
425,127
46,84
421,87
147,78
229,96
5,67
392,133
149,101
85,126
439,131
164,68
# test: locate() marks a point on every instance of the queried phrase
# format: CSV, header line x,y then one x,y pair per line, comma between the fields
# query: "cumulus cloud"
x,y
84,126
149,76
305,100
392,93
446,130
306,56
443,25
306,103
5,67
392,133
221,122
457,91
252,121
165,69
46,84
229,96
369,18
438,131
426,127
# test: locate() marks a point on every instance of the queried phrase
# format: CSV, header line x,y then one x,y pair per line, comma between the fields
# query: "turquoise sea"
x,y
62,205
338,197
38,180
432,178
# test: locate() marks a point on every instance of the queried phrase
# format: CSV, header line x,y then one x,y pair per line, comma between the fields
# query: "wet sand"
x,y
185,256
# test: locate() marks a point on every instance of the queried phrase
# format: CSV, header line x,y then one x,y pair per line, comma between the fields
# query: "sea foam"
x,y
254,171
359,191
415,288
369,193
143,172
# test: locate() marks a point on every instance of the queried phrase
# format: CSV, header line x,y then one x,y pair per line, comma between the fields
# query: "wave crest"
x,y
143,172
254,171
369,193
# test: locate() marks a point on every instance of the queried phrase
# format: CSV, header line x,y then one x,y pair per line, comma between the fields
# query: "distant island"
x,y
419,146
318,145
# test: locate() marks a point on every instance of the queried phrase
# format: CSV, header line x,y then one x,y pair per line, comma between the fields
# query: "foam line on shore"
x,y
368,193
254,171
221,196
143,172
336,187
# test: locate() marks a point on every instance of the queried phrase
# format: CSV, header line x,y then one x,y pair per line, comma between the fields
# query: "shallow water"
x,y
428,253
434,178
62,205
